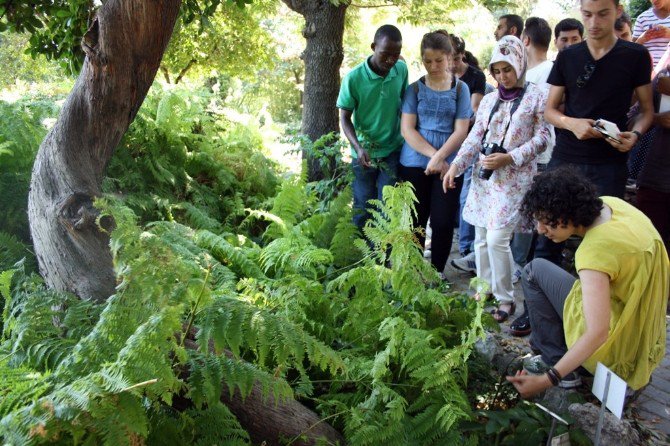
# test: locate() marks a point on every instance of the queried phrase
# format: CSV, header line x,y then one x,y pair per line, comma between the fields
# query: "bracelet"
x,y
639,135
553,376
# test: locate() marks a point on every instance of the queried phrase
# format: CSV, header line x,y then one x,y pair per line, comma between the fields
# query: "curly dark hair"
x,y
562,196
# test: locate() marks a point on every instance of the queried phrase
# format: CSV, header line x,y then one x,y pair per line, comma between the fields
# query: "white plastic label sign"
x,y
616,392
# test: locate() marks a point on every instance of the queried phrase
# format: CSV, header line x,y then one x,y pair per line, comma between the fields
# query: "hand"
x,y
363,157
449,179
628,140
443,171
655,32
529,385
435,165
497,160
662,119
583,129
663,85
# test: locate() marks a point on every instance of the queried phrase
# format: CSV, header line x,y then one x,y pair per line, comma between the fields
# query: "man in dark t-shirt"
x,y
598,78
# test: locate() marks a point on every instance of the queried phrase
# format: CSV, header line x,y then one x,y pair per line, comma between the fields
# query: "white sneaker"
x,y
466,263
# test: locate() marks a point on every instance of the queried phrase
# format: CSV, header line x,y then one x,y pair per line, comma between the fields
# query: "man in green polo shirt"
x,y
372,93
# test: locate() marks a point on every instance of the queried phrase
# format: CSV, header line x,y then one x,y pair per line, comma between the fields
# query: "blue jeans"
x,y
369,183
466,232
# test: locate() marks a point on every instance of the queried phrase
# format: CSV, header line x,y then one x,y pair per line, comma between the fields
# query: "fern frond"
x,y
229,255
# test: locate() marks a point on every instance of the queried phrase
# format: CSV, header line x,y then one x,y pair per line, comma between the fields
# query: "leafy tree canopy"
x,y
230,41
57,26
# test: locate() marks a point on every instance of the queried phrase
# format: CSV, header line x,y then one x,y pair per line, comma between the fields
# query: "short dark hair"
x,y
621,21
514,20
470,59
389,32
457,43
538,31
562,196
568,25
437,40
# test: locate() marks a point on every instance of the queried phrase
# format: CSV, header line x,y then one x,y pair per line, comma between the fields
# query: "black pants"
x,y
440,207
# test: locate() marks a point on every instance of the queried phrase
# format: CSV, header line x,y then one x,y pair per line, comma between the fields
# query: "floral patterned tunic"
x,y
496,203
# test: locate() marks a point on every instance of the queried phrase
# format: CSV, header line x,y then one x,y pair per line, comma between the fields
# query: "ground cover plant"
x,y
231,279
225,280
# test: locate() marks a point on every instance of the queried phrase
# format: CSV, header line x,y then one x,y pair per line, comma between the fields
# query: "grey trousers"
x,y
546,287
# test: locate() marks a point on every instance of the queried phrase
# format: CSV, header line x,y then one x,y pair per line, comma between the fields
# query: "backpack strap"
x,y
415,84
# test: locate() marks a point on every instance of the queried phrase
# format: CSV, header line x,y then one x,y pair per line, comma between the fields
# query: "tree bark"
x,y
123,48
323,55
273,422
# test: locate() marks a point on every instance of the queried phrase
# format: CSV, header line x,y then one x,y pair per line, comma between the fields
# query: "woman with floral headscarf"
x,y
508,134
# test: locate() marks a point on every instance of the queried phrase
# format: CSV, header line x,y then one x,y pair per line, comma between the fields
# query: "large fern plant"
x,y
361,330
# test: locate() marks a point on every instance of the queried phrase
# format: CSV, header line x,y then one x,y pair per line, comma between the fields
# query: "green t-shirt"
x,y
375,102
630,251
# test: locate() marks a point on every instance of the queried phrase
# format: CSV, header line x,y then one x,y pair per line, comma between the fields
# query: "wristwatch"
x,y
639,135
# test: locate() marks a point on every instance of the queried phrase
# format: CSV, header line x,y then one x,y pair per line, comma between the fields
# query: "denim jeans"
x,y
466,232
369,183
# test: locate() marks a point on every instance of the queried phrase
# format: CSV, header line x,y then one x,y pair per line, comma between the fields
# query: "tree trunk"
x,y
272,422
123,48
323,31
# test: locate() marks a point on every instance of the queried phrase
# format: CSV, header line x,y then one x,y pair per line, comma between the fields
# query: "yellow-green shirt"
x,y
630,251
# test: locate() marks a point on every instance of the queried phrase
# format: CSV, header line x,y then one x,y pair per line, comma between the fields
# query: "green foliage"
x,y
21,132
637,7
522,424
378,348
226,41
18,66
182,160
116,364
327,152
13,250
57,30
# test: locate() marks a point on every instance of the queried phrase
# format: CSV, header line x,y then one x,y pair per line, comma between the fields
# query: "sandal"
x,y
501,315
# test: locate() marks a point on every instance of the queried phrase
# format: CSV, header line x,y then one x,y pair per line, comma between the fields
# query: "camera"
x,y
487,149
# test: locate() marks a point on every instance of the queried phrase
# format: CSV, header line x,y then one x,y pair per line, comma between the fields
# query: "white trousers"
x,y
493,258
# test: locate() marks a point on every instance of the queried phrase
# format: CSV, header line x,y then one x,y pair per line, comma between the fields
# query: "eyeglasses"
x,y
583,78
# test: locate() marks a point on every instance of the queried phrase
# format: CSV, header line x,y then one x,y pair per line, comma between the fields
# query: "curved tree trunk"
x,y
323,31
123,47
272,422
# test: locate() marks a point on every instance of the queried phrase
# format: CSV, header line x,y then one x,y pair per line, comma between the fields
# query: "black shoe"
x,y
520,326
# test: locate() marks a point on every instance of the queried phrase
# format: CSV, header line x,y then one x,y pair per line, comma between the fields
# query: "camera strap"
x,y
515,106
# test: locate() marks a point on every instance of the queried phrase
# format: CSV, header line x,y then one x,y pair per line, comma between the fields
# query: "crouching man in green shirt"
x,y
372,93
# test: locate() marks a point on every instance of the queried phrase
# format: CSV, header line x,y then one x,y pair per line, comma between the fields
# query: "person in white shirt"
x,y
536,38
652,28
